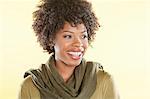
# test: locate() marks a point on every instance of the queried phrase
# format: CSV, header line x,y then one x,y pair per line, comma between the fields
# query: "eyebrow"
x,y
73,32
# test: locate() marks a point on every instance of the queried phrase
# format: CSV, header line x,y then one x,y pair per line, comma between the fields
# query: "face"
x,y
71,43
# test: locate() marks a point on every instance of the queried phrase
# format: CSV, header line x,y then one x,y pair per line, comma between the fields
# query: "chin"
x,y
74,63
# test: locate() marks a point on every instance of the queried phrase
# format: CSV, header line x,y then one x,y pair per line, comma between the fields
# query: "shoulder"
x,y
27,82
102,75
28,89
105,83
98,67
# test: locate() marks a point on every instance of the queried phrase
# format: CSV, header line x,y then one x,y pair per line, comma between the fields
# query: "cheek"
x,y
85,44
60,47
57,47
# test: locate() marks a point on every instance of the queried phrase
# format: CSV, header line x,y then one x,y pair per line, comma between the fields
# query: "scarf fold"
x,y
81,85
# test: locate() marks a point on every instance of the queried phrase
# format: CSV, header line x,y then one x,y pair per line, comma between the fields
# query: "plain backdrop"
x,y
122,45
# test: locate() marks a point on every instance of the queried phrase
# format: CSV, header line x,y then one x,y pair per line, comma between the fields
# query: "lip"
x,y
75,55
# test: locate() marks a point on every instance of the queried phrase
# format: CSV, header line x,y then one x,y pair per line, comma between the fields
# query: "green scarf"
x,y
81,85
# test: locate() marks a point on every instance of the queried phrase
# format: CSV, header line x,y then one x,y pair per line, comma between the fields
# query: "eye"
x,y
84,36
67,36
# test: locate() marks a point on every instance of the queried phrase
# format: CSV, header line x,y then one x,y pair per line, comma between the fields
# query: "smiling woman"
x,y
71,43
65,28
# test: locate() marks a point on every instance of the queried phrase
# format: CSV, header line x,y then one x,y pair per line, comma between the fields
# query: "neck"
x,y
64,70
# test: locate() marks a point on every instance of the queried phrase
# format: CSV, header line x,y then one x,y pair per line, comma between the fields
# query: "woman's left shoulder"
x,y
105,83
96,65
102,74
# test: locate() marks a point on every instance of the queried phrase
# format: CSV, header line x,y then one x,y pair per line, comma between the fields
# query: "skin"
x,y
68,40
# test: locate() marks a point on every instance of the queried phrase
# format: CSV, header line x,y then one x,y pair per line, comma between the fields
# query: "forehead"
x,y
74,28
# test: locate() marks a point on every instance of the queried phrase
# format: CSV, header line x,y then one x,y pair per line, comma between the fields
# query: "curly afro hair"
x,y
51,16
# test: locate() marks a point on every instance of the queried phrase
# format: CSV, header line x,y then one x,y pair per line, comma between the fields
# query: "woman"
x,y
64,29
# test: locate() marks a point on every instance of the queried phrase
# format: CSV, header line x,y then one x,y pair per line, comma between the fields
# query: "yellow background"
x,y
122,45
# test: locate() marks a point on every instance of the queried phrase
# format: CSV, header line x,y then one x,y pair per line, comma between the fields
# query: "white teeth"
x,y
75,53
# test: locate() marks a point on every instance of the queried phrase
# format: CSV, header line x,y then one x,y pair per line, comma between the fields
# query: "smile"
x,y
75,55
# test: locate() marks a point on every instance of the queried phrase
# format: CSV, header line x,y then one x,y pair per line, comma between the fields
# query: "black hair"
x,y
51,16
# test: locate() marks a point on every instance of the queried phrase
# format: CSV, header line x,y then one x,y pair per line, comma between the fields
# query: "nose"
x,y
78,42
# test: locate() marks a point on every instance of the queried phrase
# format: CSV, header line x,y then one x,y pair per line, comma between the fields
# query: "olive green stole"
x,y
81,85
